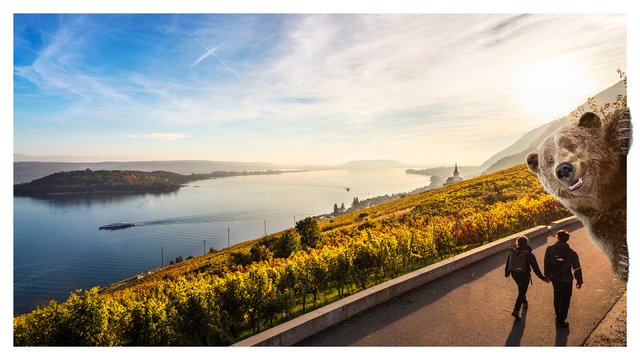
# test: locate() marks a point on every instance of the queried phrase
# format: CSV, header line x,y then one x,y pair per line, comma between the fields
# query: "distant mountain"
x,y
513,158
517,152
372,164
70,158
31,170
523,143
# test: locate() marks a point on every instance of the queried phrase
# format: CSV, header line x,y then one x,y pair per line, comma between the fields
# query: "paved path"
x,y
472,307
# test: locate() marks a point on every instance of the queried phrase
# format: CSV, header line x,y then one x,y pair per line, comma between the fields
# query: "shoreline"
x,y
190,178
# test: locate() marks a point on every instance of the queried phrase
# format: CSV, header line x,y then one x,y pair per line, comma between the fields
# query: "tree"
x,y
260,253
309,232
241,258
286,244
342,208
335,209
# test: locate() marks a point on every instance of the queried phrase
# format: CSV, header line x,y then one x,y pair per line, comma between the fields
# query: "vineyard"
x,y
226,296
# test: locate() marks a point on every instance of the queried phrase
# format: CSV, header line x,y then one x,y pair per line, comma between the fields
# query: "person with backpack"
x,y
559,259
519,264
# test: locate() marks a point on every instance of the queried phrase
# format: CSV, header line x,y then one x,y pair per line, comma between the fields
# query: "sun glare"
x,y
552,88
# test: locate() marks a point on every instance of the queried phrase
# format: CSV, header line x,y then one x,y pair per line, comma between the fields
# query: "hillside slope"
x,y
222,297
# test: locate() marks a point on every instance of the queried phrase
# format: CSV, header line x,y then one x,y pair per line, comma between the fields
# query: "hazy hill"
x,y
523,143
24,171
517,152
510,159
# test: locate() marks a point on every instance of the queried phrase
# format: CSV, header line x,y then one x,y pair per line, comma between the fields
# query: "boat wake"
x,y
209,218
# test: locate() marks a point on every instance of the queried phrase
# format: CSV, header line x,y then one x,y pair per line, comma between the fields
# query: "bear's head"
x,y
580,164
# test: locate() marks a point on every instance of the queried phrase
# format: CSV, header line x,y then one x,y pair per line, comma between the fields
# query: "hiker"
x,y
559,259
519,264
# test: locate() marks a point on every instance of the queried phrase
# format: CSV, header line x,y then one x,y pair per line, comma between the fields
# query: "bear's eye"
x,y
549,163
572,147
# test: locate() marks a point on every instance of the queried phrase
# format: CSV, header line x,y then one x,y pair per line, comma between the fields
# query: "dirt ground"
x,y
612,331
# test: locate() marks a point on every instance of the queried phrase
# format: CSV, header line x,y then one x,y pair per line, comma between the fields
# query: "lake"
x,y
58,247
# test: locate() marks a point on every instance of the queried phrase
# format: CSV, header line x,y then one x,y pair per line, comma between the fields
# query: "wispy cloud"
x,y
160,136
358,82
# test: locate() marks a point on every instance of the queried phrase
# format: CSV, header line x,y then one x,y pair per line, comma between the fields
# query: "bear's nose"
x,y
564,171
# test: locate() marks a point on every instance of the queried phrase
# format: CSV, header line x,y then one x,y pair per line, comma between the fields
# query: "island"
x,y
119,181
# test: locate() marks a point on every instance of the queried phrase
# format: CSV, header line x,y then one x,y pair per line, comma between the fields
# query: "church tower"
x,y
455,178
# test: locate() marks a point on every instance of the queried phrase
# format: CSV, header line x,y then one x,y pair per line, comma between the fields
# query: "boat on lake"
x,y
117,226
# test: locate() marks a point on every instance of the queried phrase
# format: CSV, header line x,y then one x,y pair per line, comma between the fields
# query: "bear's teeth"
x,y
577,185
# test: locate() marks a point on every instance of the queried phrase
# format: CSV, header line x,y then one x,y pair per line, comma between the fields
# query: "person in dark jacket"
x,y
559,260
521,274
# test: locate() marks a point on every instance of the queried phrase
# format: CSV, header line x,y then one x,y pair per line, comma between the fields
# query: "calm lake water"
x,y
58,247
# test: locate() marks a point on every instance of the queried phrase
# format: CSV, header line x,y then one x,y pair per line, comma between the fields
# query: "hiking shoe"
x,y
515,314
562,324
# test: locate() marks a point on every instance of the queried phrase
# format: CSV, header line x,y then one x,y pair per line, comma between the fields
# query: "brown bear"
x,y
584,165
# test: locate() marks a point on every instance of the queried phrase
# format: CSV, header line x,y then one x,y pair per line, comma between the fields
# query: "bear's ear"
x,y
532,162
589,120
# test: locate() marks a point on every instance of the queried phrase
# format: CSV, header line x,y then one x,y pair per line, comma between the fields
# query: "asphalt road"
x,y
472,307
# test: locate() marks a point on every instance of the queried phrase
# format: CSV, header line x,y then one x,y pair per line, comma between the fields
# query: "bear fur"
x,y
584,165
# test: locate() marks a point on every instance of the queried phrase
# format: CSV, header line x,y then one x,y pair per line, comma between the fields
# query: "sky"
x,y
466,73
302,88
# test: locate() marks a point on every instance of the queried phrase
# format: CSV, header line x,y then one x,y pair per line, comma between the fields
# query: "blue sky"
x,y
302,89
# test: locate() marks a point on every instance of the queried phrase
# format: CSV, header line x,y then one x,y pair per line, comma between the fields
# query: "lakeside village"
x,y
357,204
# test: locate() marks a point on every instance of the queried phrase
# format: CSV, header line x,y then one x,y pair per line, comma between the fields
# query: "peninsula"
x,y
118,181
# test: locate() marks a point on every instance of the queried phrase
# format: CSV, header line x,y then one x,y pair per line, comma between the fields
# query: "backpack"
x,y
518,260
560,262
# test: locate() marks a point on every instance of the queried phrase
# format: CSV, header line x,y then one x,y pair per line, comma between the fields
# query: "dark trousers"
x,y
561,299
522,280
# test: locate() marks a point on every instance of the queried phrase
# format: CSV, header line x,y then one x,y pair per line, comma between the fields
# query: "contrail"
x,y
206,54
213,52
232,71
